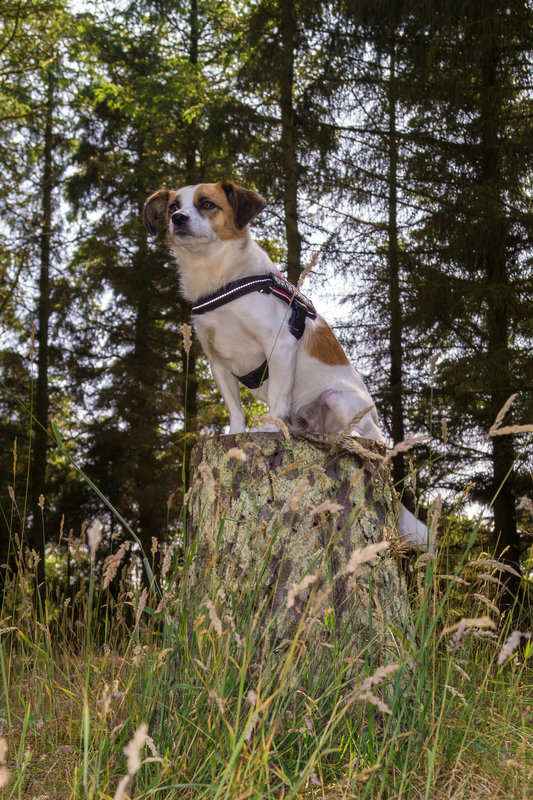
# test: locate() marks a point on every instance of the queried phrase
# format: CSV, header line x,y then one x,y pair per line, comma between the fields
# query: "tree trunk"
x,y
256,530
144,413
191,171
395,336
288,139
494,264
40,448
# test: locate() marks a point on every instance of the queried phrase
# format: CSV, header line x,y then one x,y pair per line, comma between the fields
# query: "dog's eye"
x,y
173,207
207,205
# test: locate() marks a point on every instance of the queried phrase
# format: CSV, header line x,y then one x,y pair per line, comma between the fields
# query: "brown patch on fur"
x,y
321,343
222,217
156,212
246,204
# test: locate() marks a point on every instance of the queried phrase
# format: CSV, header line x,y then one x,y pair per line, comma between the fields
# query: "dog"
x,y
255,327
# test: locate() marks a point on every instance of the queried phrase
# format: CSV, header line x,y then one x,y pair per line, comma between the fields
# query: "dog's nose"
x,y
179,218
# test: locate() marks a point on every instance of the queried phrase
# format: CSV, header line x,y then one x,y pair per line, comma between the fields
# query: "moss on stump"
x,y
272,528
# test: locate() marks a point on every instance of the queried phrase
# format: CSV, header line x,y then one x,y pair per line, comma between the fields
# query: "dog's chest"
x,y
242,333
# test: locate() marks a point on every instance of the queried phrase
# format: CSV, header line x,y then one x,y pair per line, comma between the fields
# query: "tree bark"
x,y
255,530
288,139
395,335
493,258
40,449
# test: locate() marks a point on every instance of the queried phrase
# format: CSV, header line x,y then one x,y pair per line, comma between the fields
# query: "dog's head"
x,y
197,215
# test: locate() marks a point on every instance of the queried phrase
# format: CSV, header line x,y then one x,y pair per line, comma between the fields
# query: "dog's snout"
x,y
180,218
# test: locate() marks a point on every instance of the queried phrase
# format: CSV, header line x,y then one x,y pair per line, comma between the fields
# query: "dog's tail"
x,y
413,531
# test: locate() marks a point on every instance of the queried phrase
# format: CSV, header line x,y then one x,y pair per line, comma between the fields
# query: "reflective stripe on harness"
x,y
270,283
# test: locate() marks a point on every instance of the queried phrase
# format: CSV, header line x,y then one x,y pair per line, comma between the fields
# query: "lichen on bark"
x,y
274,522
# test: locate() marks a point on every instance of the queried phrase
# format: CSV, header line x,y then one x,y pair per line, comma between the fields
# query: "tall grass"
x,y
132,691
136,696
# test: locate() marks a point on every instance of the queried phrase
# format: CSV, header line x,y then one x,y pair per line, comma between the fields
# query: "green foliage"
x,y
392,137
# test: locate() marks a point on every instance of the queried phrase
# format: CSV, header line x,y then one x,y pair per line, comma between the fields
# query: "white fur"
x,y
237,337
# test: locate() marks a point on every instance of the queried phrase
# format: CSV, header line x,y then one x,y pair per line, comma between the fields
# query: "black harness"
x,y
301,308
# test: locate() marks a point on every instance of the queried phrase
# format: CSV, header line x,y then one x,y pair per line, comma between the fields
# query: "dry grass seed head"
x,y
347,430
500,415
299,587
307,269
186,332
267,418
459,629
167,560
140,606
378,676
170,501
251,728
94,537
484,577
327,507
132,751
237,453
112,563
434,515
407,444
486,601
4,776
231,622
362,555
368,697
213,616
291,503
511,644
218,700
492,562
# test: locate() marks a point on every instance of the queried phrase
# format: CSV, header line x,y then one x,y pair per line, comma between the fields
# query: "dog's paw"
x,y
271,424
266,428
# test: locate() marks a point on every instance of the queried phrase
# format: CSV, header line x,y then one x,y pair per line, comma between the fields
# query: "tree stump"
x,y
277,521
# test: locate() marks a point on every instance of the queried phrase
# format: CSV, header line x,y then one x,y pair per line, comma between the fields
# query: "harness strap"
x,y
254,379
231,291
270,283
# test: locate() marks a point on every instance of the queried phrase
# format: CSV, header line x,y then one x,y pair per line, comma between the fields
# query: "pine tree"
x,y
282,61
150,118
32,63
474,278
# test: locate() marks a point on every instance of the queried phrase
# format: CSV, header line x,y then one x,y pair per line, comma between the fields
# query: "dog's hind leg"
x,y
333,412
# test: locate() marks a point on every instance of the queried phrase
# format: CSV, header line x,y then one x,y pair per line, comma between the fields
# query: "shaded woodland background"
x,y
393,138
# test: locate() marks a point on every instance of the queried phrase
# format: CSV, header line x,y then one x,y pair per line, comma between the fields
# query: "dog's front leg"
x,y
229,389
281,366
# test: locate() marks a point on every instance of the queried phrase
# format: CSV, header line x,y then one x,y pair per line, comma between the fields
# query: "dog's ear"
x,y
245,204
155,211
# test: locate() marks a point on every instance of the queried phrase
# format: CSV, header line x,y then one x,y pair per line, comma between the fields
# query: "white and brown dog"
x,y
255,327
